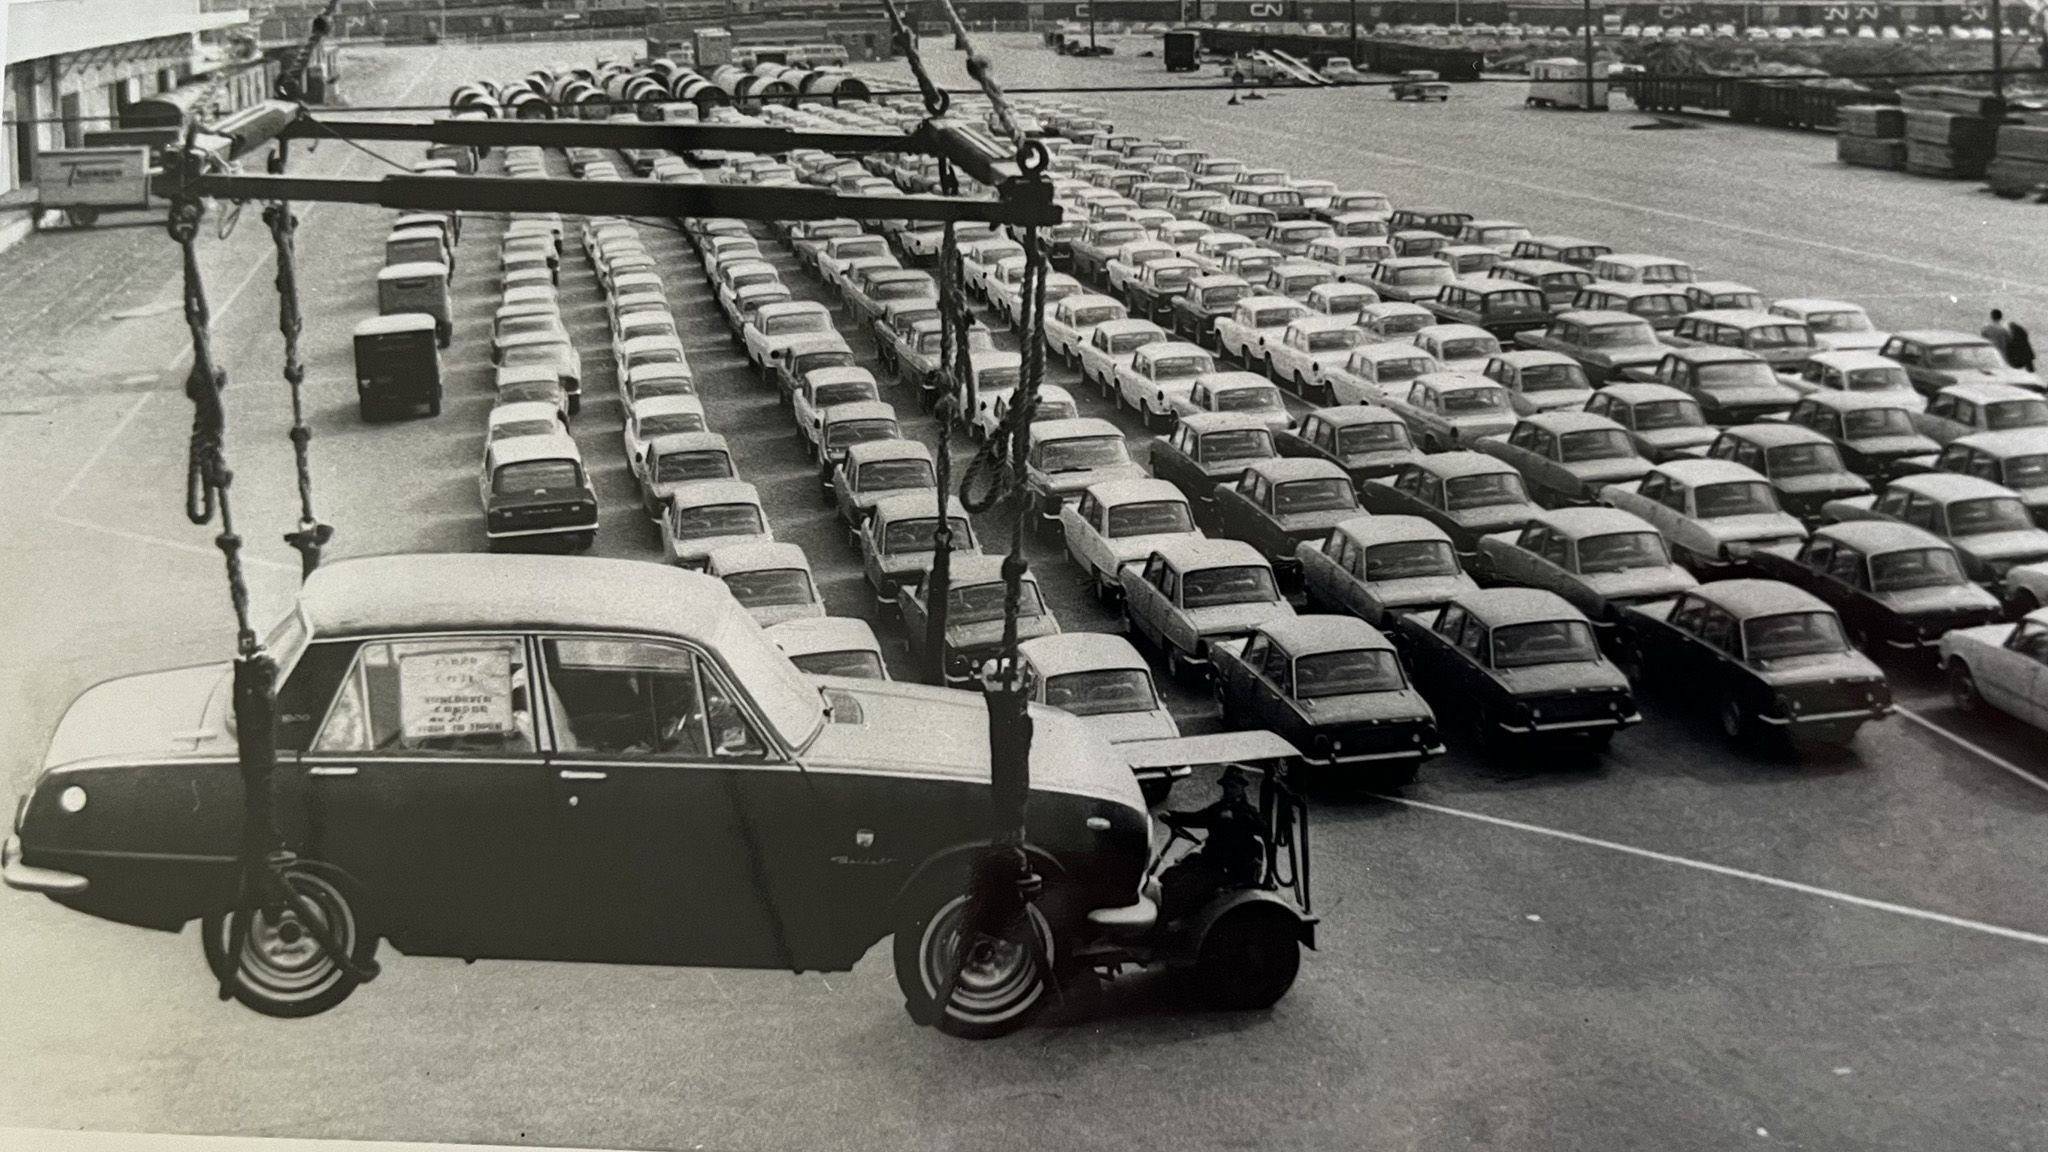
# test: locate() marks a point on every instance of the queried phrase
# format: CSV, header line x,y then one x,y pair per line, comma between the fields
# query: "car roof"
x,y
869,451
2007,442
1601,316
1531,357
1739,317
700,493
1593,520
817,342
1125,324
1234,379
1202,423
1401,262
792,307
1940,336
1448,465
528,374
1287,469
1074,428
417,592
1392,350
1451,381
1497,607
1370,530
1774,434
1723,287
1189,554
1860,358
759,556
1814,304
1486,285
526,449
1989,393
669,442
1269,300
859,410
1947,486
1160,348
1714,353
395,323
1564,241
840,374
1633,291
523,410
1634,392
412,268
1454,332
1571,420
1840,401
1744,599
1313,635
1871,537
1064,652
1140,490
1213,280
1698,471
1532,266
1353,415
906,505
1641,259
823,634
650,405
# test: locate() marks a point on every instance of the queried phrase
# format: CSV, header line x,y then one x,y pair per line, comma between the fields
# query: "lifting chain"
x,y
311,535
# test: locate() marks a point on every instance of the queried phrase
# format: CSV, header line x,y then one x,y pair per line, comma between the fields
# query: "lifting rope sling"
x,y
1002,882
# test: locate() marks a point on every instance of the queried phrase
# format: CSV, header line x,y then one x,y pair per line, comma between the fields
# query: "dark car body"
x,y
1207,449
1467,494
1874,433
1278,504
1366,441
1565,458
1193,312
1895,586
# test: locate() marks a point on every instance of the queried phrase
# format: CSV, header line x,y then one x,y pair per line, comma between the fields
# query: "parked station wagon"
x,y
1764,656
411,699
1189,593
1375,565
1599,559
1502,307
1334,687
1896,587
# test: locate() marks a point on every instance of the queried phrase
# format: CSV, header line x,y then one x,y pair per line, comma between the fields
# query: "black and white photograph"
x,y
951,575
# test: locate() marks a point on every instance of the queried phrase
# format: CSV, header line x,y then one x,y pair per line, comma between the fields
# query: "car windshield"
x,y
1148,518
1878,380
1660,304
2026,471
1660,414
1466,492
1347,673
1082,453
1543,642
1787,634
844,432
677,467
1102,692
1333,494
1125,343
1395,371
1617,551
535,476
1276,317
998,378
1553,378
888,475
718,520
1181,367
1619,335
1098,314
1915,568
1864,423
903,290
668,423
1789,460
1468,348
1734,498
1052,408
845,392
1378,436
770,587
660,354
1237,584
1173,277
1851,320
1465,401
812,361
1263,398
509,428
981,603
1235,444
1982,356
1409,559
1224,295
853,662
1988,514
915,535
1594,444
1778,336
527,355
2016,414
1403,324
855,247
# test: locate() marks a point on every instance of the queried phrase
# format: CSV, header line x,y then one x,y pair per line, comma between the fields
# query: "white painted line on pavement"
x,y
175,545
1999,930
93,460
1972,746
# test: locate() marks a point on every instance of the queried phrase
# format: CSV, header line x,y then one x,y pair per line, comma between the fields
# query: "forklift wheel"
x,y
82,215
1249,959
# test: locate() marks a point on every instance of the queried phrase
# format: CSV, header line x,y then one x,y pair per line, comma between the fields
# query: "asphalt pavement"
x,y
1676,947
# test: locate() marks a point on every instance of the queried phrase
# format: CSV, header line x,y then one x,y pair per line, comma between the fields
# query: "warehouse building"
x,y
73,66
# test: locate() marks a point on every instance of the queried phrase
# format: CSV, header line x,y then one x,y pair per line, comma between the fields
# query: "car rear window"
x,y
1734,498
1236,444
1789,460
1656,415
1466,492
1410,559
1347,673
1467,401
1865,423
1617,551
915,535
2016,414
890,475
1788,634
678,467
1239,584
1262,399
982,603
1543,642
669,423
826,395
534,476
1102,692
1594,444
718,520
1082,453
1325,495
845,432
853,662
1915,568
771,587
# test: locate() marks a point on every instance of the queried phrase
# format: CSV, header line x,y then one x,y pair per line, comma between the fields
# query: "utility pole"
x,y
1588,21
1998,51
1354,34
1091,27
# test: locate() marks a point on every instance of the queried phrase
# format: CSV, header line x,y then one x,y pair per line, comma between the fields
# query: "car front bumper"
x,y
29,878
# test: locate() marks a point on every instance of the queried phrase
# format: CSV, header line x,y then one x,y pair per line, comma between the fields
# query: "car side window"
x,y
624,697
1090,510
1431,491
1556,549
1653,486
1923,513
1984,467
1846,565
448,696
1674,497
1155,572
1603,405
2031,641
1322,435
1904,353
1718,628
1689,614
1450,622
1275,666
1169,584
1255,652
1893,503
1409,481
1472,640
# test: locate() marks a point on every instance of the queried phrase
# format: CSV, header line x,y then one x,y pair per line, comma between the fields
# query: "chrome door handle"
x,y
333,770
580,774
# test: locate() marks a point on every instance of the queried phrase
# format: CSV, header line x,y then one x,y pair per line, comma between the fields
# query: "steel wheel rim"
x,y
1962,687
997,973
1731,719
281,958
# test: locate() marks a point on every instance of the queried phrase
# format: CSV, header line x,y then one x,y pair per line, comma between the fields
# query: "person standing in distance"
x,y
1998,333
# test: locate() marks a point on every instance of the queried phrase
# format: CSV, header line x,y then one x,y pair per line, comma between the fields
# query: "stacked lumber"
x,y
1871,135
1950,132
2019,166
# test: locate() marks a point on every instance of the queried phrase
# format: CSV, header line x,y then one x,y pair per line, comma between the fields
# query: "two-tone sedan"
x,y
1763,656
2002,666
874,469
1277,505
1518,663
1190,593
1373,566
1068,456
1805,468
610,735
1600,559
1208,449
1366,442
1896,587
975,598
1334,687
1118,523
1446,410
1566,458
1665,423
1713,513
1467,494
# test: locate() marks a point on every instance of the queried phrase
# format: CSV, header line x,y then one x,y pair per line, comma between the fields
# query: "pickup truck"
x,y
1599,559
1193,313
1365,441
1335,688
1566,458
1278,504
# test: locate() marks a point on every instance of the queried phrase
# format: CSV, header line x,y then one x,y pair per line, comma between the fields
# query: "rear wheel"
x,y
1962,688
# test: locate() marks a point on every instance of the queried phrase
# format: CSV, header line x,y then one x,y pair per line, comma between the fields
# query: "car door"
x,y
425,781
2027,648
1239,703
1142,605
666,853
1271,689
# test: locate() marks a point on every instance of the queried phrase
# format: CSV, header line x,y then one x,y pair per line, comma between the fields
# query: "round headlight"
x,y
72,799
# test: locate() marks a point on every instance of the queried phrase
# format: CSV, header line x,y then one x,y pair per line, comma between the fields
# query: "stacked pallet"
x,y
1871,135
1950,132
2020,166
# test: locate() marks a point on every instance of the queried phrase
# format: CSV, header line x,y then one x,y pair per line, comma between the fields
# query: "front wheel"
x,y
1962,688
1734,721
1248,959
282,970
1002,979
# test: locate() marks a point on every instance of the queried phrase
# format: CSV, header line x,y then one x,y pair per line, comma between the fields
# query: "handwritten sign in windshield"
x,y
460,692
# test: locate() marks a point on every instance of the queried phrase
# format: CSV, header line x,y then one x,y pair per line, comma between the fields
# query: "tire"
x,y
1154,421
1248,959
2023,603
282,973
575,404
434,405
582,541
997,993
1181,667
1732,720
1962,688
